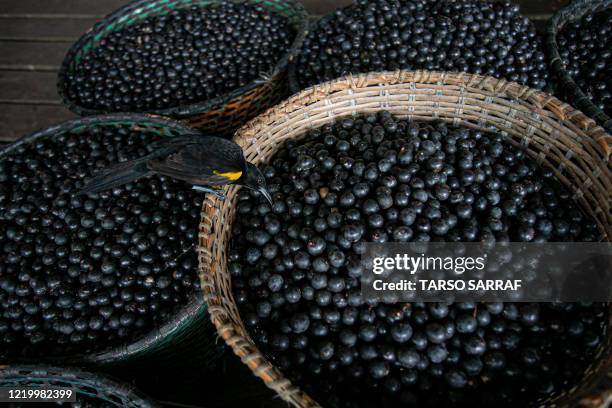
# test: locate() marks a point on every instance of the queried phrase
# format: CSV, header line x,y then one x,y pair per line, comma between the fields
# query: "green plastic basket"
x,y
106,392
222,114
188,338
576,10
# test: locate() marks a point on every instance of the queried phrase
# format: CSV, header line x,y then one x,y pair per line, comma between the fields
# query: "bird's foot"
x,y
216,192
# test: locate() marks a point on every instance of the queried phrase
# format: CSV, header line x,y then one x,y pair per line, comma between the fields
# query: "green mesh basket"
x,y
100,390
567,86
186,339
222,114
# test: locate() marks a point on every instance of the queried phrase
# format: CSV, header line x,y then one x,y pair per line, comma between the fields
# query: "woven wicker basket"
x,y
221,115
552,132
576,10
103,390
189,331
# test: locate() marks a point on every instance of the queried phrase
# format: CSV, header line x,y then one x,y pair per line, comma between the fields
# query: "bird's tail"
x,y
117,175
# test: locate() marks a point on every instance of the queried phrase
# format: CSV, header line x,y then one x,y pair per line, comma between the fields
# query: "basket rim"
x,y
575,10
181,111
76,376
236,336
184,314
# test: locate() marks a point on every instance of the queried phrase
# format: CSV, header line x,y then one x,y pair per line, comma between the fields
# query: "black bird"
x,y
204,161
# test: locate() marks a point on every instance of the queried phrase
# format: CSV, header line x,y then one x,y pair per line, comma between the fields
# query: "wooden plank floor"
x,y
35,35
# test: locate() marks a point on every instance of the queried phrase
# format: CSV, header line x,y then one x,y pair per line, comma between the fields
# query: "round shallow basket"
x,y
221,115
576,10
188,337
105,391
552,132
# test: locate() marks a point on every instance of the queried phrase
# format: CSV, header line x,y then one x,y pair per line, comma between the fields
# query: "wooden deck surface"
x,y
35,35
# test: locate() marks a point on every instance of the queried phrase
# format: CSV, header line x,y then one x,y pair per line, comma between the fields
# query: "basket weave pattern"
x,y
220,115
85,383
552,132
576,10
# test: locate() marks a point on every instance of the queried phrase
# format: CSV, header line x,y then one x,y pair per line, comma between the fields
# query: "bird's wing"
x,y
201,163
176,142
125,172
